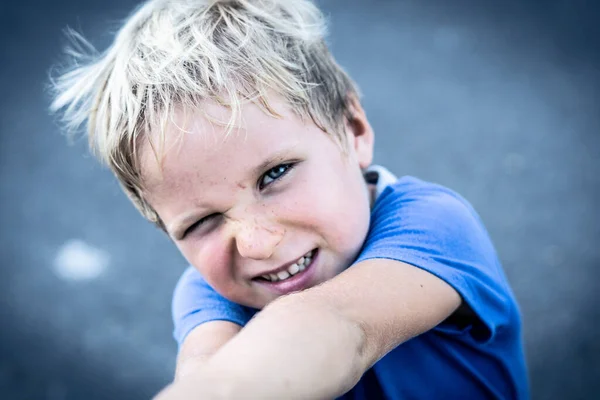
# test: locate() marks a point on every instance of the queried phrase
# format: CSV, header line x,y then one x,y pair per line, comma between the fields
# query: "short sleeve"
x,y
433,228
195,302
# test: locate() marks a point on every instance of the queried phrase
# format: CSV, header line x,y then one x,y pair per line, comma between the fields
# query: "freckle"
x,y
421,285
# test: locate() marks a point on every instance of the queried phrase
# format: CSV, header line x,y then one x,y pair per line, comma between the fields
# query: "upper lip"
x,y
284,267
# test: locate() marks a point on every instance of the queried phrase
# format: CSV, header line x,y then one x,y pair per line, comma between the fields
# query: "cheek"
x,y
348,227
211,257
346,210
333,205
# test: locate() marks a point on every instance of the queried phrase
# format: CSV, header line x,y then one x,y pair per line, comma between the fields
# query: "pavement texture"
x,y
499,101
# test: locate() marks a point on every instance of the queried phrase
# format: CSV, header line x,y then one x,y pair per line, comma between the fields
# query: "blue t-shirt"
x,y
478,355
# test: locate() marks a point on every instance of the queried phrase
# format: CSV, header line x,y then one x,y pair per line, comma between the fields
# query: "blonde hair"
x,y
177,53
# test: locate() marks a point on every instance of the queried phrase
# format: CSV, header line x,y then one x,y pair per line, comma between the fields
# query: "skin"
x,y
321,202
338,325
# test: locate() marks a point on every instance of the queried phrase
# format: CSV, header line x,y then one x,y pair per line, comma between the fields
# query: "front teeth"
x,y
292,270
283,275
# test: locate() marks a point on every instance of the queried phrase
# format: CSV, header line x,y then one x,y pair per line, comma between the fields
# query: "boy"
x,y
230,126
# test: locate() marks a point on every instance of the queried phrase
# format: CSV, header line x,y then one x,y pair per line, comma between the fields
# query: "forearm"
x,y
317,343
293,349
201,344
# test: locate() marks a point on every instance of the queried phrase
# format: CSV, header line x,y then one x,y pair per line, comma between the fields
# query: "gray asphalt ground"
x,y
497,100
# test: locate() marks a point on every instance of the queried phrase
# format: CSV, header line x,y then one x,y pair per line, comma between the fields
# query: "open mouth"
x,y
295,269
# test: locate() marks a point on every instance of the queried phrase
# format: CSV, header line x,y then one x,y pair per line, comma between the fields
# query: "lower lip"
x,y
297,282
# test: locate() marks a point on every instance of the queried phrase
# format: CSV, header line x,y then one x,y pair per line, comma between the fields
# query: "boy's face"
x,y
274,198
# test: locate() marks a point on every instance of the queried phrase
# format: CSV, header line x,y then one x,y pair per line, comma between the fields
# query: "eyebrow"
x,y
271,161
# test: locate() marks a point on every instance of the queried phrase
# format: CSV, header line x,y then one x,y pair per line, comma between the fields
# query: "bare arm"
x,y
318,343
201,343
197,348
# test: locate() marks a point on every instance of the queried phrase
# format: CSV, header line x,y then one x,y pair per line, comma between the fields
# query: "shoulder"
x,y
435,229
417,209
408,189
195,302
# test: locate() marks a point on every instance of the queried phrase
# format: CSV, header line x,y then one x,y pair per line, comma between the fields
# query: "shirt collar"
x,y
379,176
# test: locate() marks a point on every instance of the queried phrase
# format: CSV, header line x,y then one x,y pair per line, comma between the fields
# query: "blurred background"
x,y
498,100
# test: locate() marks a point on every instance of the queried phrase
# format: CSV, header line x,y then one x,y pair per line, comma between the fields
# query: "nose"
x,y
257,239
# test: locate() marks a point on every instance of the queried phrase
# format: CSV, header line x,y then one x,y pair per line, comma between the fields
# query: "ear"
x,y
359,133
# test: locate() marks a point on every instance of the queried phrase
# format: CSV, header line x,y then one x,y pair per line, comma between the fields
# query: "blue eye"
x,y
273,174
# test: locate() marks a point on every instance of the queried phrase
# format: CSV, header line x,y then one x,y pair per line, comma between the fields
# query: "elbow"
x,y
346,348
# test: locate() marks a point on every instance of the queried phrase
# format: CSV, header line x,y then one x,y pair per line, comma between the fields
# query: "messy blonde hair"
x,y
177,53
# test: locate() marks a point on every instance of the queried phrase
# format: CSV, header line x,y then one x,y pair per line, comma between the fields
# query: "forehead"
x,y
199,147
